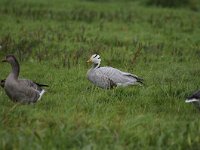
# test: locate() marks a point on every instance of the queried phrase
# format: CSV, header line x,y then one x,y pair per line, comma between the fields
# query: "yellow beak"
x,y
89,60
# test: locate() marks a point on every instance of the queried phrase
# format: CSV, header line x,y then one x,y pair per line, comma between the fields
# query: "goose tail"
x,y
191,100
140,81
41,94
40,84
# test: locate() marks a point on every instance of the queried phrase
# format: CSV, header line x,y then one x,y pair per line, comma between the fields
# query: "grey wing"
x,y
100,79
30,84
34,89
25,91
118,76
138,79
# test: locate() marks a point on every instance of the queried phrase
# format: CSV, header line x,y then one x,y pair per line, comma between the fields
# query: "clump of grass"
x,y
173,3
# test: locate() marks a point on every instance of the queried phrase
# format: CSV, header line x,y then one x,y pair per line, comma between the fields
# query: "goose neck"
x,y
96,65
15,69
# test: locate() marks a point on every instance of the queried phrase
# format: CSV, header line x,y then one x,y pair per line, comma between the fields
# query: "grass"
x,y
53,40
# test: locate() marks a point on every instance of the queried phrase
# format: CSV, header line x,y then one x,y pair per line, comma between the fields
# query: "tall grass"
x,y
169,3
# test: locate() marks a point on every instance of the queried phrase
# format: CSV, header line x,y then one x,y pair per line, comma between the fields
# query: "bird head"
x,y
9,59
94,59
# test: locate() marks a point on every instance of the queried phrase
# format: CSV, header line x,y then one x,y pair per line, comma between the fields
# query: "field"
x,y
53,39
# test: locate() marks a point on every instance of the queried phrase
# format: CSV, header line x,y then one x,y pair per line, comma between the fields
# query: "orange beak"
x,y
89,60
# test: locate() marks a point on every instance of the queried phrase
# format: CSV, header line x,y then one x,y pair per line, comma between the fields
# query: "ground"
x,y
53,40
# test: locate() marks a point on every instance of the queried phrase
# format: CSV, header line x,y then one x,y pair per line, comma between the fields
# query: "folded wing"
x,y
119,77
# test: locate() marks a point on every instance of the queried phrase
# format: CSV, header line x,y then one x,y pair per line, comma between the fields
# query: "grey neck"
x,y
15,69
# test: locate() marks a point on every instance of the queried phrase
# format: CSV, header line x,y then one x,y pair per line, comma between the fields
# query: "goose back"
x,y
108,77
22,90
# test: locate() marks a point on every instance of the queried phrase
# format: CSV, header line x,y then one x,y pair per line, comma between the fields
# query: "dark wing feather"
x,y
31,84
140,80
41,84
196,95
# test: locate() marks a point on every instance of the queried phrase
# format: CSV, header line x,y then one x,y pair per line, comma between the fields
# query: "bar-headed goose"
x,y
194,99
20,90
108,77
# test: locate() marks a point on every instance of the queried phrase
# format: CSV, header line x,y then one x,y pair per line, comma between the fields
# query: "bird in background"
x,y
20,90
109,77
194,99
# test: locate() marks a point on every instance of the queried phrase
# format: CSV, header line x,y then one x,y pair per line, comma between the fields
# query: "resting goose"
x,y
194,99
108,77
20,90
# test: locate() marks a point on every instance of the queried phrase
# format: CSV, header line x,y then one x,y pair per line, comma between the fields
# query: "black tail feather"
x,y
140,80
40,84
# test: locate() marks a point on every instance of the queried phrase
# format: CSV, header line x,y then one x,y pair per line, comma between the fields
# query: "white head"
x,y
95,59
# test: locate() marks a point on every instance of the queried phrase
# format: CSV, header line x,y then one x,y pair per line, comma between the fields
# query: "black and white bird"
x,y
20,90
108,77
194,99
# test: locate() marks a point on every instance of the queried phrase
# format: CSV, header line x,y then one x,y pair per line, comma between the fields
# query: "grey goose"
x,y
108,77
20,90
194,99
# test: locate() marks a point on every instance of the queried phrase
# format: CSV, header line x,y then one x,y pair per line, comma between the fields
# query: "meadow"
x,y
53,40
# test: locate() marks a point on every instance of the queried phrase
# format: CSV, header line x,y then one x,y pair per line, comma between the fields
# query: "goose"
x,y
194,99
20,90
109,77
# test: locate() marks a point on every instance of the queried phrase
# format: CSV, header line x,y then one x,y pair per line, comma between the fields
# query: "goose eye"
x,y
95,56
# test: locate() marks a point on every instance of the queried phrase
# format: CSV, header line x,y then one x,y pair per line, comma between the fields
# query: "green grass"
x,y
53,40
